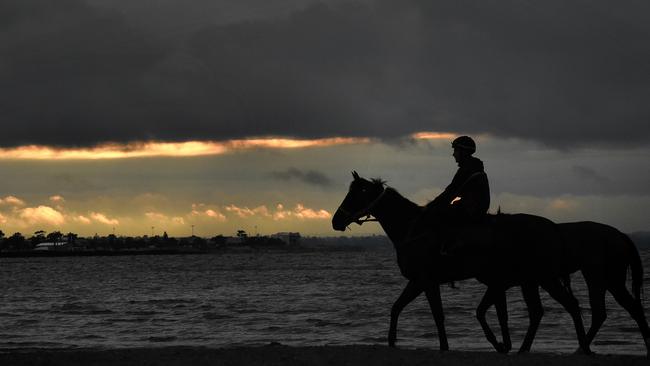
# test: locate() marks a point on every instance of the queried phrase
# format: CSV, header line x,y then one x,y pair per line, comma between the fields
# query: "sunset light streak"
x,y
433,136
168,149
186,149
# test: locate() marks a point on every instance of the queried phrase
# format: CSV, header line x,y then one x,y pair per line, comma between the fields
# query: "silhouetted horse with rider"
x,y
502,251
452,238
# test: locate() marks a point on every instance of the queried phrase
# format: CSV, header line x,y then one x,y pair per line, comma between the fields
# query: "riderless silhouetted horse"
x,y
510,250
603,255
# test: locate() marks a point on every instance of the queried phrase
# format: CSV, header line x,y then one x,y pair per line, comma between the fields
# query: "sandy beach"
x,y
284,355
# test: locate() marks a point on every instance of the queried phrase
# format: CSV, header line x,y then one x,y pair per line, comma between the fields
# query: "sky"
x,y
143,116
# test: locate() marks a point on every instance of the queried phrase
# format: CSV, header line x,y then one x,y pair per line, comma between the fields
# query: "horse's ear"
x,y
355,175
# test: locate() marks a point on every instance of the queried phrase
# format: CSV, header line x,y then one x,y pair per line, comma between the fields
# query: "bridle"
x,y
356,217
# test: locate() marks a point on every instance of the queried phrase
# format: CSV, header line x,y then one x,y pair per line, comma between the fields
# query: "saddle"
x,y
472,239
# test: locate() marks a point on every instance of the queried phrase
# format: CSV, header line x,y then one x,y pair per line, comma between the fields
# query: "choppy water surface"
x,y
221,300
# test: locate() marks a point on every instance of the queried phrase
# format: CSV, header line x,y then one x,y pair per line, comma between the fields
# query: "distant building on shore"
x,y
233,240
50,246
288,238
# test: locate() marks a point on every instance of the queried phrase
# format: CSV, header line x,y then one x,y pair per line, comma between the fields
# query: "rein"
x,y
356,217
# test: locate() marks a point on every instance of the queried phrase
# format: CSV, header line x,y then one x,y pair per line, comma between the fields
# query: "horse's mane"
x,y
378,181
382,183
499,213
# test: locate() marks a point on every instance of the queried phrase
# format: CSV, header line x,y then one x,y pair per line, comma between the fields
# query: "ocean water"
x,y
234,299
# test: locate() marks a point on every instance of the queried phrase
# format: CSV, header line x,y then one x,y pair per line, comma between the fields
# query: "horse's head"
x,y
361,197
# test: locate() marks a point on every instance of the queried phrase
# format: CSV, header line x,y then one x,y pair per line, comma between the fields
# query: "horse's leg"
x,y
634,307
570,303
435,303
502,314
481,310
597,302
535,313
497,297
410,292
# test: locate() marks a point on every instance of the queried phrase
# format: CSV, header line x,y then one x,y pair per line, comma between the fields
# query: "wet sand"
x,y
284,355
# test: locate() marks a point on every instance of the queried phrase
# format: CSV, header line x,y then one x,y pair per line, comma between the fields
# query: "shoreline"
x,y
168,252
277,354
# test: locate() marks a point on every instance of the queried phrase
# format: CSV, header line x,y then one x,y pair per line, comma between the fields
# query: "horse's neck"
x,y
395,214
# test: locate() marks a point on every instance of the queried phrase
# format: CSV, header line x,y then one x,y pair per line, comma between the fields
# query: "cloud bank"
x,y
562,73
212,218
310,177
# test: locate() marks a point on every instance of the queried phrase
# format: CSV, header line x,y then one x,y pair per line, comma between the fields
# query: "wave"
x,y
142,312
611,342
79,308
164,301
161,339
111,321
215,316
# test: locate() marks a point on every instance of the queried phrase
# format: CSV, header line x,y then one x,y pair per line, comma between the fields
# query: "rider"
x,y
466,199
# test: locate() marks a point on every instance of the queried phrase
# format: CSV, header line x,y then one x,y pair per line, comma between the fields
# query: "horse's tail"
x,y
636,267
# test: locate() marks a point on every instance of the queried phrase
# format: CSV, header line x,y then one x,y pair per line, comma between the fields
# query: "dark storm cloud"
x,y
310,177
563,73
589,174
71,75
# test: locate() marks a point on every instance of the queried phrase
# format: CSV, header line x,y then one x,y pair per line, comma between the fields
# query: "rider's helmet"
x,y
465,143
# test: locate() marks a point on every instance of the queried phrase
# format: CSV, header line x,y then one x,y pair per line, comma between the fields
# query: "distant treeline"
x,y
71,242
58,241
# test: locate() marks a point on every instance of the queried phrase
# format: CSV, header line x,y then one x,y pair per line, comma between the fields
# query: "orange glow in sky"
x,y
167,149
434,136
185,149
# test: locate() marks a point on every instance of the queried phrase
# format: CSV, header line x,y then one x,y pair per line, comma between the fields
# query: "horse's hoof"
x,y
583,351
501,348
523,351
392,341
